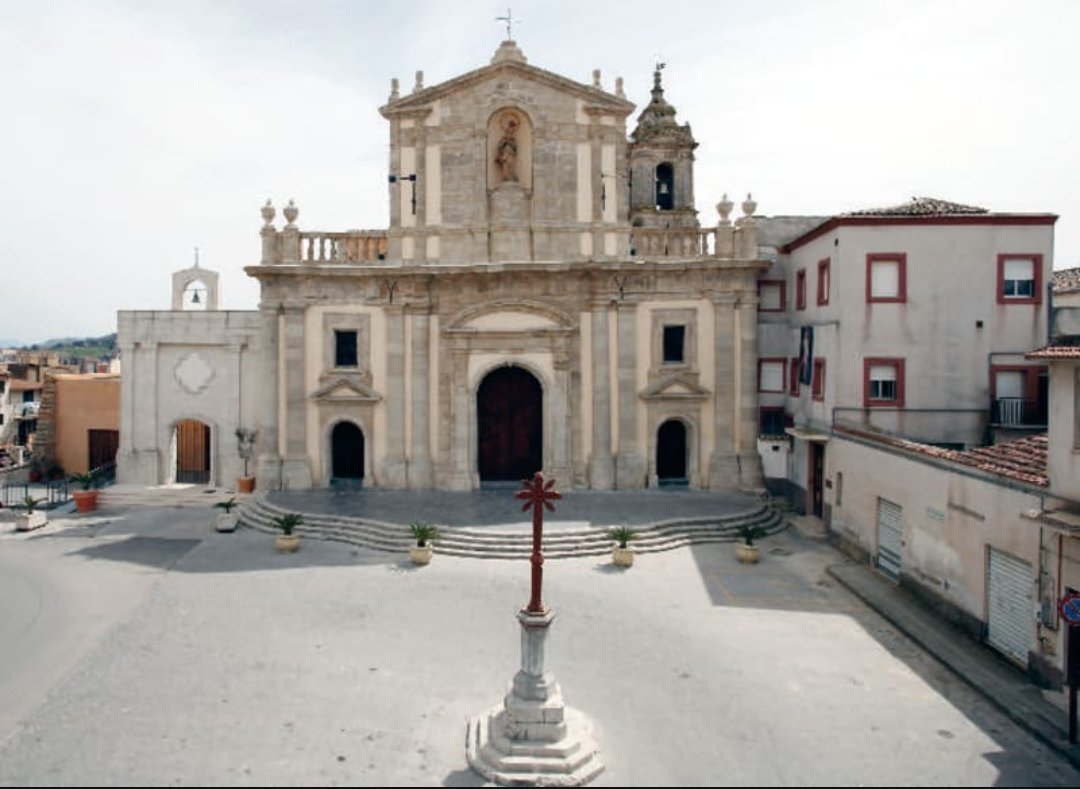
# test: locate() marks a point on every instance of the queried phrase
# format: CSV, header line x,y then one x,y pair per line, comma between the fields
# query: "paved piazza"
x,y
144,648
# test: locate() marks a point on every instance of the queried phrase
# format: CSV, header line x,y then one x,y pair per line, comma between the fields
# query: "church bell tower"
x,y
661,166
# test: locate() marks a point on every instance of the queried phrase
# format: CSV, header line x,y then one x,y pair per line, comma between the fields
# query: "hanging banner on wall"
x,y
806,356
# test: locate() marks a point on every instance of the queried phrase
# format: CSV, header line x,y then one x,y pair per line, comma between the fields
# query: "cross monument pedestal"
x,y
532,738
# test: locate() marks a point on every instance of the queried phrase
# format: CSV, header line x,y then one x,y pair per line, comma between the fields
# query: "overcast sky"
x,y
134,131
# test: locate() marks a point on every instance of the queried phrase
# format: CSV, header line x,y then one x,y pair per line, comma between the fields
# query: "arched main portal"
x,y
671,453
346,454
192,452
509,425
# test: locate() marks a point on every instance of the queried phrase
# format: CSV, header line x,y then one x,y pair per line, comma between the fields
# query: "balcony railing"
x,y
1017,412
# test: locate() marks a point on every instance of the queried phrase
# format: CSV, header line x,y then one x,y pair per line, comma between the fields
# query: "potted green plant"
x,y
287,542
87,497
746,551
245,447
621,553
423,532
226,519
32,518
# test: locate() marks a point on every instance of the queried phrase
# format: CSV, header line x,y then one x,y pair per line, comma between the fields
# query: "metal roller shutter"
x,y
1009,608
890,521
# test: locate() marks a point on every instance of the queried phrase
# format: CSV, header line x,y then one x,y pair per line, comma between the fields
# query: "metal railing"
x,y
1018,412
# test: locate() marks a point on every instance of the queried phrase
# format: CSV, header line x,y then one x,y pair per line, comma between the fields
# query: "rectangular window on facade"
x,y
674,343
886,277
819,379
772,295
3,386
1,419
28,396
883,382
793,377
345,349
1019,279
772,421
771,375
823,282
800,289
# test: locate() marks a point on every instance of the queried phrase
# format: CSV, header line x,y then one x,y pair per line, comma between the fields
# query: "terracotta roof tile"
x,y
921,206
1054,352
1023,460
1066,279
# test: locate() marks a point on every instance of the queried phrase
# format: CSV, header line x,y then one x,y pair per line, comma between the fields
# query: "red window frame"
x,y
824,282
900,258
898,364
793,377
1036,265
818,389
800,289
1031,378
783,294
783,373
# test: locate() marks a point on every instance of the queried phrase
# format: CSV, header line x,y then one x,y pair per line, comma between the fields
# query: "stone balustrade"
x,y
353,246
673,242
290,246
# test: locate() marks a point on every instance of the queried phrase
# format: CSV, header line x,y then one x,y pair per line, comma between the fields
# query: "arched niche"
x,y
509,145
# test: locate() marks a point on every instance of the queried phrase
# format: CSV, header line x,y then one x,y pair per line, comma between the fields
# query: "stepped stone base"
x,y
513,745
532,738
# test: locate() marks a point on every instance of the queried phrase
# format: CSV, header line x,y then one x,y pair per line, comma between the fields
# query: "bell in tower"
x,y
661,156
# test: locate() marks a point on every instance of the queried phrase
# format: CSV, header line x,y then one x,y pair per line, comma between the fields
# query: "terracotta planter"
x,y
245,484
622,557
420,555
85,500
747,554
288,543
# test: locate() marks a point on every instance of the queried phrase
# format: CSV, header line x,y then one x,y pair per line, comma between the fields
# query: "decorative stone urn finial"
x,y
619,88
596,78
268,212
749,205
724,208
419,86
394,85
291,212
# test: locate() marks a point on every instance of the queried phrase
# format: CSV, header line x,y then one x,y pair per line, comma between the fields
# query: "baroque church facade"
x,y
544,298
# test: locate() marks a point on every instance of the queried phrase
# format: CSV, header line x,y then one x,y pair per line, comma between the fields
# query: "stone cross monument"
x,y
532,738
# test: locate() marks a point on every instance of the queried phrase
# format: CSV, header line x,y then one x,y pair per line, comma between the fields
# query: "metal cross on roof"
x,y
509,20
538,494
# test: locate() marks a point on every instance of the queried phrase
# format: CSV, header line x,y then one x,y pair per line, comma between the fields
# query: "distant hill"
x,y
94,347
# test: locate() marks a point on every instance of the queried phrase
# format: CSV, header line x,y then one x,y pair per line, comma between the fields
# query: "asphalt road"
x,y
144,648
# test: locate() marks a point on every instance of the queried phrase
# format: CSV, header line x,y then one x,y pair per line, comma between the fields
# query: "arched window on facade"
x,y
665,186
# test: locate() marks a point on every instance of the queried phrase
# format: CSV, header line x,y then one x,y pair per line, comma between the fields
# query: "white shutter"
x,y
882,372
884,279
772,377
1009,384
1019,269
890,518
1009,612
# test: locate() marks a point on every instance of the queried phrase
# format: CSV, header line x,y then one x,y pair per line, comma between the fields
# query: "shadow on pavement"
x,y
792,576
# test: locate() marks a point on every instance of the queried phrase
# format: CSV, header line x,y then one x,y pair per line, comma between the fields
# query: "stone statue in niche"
x,y
506,152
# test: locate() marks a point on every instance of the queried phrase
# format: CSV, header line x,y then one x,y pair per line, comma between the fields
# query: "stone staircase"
x,y
495,543
123,496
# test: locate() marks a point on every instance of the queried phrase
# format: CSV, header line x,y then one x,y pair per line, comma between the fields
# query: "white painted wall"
x,y
951,283
950,519
167,356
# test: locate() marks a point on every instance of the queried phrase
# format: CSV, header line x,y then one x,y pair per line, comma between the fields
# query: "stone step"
x,y
132,496
258,513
